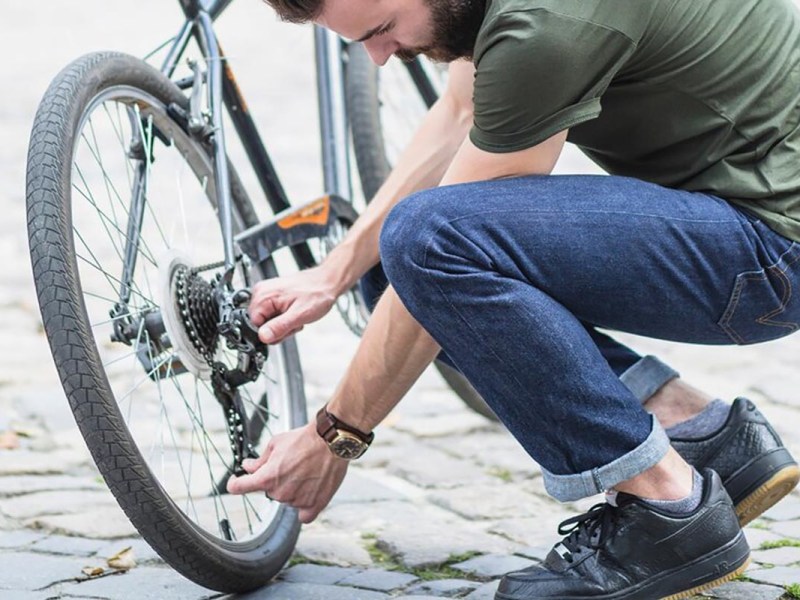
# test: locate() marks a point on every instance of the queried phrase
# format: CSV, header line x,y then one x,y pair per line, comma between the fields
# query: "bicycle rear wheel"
x,y
124,342
385,106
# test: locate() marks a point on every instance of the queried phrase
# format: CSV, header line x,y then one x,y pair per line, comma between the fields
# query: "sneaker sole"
x,y
768,494
721,566
758,486
711,584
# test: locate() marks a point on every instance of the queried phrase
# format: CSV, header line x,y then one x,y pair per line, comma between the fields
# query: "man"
x,y
693,107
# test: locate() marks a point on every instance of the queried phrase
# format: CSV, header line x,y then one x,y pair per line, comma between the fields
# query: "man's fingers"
x,y
253,481
306,515
262,309
245,484
268,299
253,464
275,330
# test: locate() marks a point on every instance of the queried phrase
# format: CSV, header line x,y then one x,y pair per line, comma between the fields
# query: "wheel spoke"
x,y
110,187
94,263
186,479
154,372
214,492
105,220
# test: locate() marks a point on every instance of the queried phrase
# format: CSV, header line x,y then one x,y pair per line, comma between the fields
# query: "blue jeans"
x,y
511,277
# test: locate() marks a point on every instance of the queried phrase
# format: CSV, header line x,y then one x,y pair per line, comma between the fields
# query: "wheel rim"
x,y
173,418
350,305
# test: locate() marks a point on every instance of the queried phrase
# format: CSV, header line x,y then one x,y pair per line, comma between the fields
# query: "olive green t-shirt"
x,y
700,95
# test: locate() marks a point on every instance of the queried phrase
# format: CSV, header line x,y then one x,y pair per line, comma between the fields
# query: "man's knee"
x,y
406,233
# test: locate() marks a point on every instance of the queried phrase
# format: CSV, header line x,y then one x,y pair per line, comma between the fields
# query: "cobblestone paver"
x,y
440,506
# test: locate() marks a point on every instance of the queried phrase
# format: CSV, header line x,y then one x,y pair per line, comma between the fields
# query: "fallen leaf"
x,y
122,560
92,571
9,440
27,431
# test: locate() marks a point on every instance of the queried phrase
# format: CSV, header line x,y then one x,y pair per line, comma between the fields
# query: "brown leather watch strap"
x,y
327,424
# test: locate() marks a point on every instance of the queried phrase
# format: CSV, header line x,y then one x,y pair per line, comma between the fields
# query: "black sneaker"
x,y
755,467
634,551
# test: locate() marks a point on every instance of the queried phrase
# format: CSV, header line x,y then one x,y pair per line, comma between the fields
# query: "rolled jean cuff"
x,y
647,376
567,488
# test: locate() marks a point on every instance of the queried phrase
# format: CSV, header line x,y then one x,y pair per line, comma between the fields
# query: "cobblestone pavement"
x,y
442,505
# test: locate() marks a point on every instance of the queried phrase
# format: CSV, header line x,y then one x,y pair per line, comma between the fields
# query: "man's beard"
x,y
455,28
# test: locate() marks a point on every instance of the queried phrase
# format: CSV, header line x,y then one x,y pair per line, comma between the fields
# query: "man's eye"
x,y
383,30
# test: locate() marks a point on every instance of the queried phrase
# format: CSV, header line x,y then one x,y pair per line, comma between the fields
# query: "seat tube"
x,y
332,112
208,42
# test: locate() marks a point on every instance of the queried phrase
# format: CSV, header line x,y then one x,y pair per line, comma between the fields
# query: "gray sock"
x,y
685,505
710,420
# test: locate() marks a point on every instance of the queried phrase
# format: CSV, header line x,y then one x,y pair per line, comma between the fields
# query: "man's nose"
x,y
379,50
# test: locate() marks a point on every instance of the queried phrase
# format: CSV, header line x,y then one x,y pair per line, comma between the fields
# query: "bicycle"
x,y
166,377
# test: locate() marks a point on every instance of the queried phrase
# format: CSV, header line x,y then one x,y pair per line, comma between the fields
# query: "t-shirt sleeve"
x,y
538,73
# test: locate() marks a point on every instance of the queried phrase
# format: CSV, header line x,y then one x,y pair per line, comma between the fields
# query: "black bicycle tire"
x,y
363,107
194,554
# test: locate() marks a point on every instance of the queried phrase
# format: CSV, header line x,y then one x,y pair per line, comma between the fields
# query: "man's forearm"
x,y
421,166
393,353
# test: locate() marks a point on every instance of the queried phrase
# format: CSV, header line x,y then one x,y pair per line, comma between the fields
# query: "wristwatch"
x,y
342,439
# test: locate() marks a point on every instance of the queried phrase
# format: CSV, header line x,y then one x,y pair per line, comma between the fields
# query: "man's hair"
x,y
296,11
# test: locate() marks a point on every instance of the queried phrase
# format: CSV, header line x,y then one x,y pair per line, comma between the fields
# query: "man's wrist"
x,y
343,440
339,269
349,413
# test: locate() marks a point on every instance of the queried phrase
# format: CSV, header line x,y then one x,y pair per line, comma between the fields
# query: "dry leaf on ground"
x,y
122,560
92,571
9,440
28,431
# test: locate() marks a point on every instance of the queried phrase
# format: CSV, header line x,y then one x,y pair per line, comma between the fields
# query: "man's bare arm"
x,y
282,306
421,165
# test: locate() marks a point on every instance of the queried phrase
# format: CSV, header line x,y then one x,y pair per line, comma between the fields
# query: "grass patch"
x,y
784,543
299,559
444,570
793,589
378,555
502,474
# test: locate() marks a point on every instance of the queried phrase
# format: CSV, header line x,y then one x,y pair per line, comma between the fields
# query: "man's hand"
x,y
281,307
296,468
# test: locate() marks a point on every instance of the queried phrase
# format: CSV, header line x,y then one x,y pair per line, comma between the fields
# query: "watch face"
x,y
347,446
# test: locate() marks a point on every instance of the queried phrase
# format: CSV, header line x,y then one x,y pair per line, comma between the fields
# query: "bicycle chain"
x,y
199,311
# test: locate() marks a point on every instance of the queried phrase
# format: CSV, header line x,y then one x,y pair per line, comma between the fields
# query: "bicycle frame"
x,y
223,89
309,220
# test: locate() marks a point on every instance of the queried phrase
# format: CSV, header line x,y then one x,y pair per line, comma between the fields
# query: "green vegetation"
x,y
784,543
444,570
793,589
378,555
299,559
503,474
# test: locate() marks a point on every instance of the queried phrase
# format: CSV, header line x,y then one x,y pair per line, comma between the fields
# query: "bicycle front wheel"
x,y
124,239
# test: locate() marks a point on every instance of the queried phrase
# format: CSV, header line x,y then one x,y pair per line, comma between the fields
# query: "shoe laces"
x,y
588,530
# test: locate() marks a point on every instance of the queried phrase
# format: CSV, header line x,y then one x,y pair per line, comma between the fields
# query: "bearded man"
x,y
693,108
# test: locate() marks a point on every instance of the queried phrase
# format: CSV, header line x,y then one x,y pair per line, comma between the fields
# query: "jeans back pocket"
x,y
765,304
